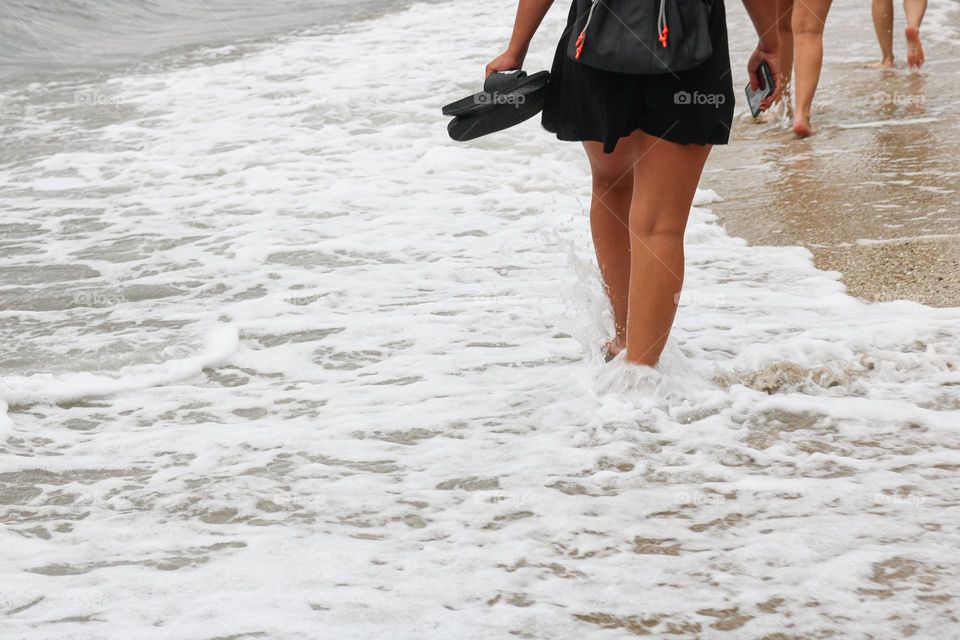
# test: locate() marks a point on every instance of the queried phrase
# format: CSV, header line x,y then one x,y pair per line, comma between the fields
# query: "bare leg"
x,y
609,222
914,10
883,25
666,175
809,19
785,29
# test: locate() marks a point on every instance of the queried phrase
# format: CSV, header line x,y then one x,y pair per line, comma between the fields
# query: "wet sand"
x,y
873,194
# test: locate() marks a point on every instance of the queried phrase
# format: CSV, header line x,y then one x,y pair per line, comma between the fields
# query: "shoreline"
x,y
873,194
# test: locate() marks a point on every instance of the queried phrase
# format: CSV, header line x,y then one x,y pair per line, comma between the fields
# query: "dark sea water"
x,y
42,40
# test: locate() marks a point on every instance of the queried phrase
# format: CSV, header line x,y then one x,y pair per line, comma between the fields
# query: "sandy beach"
x,y
874,194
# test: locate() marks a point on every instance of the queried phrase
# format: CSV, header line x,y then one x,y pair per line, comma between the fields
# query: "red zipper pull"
x,y
583,34
662,20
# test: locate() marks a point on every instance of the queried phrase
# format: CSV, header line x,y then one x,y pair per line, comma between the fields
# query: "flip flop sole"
x,y
510,110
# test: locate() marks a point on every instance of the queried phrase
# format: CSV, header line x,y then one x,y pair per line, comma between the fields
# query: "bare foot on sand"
x,y
801,126
612,349
886,63
915,57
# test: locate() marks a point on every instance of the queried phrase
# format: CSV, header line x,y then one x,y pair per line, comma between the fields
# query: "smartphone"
x,y
767,86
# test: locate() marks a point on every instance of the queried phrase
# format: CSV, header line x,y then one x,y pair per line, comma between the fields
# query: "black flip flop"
x,y
508,98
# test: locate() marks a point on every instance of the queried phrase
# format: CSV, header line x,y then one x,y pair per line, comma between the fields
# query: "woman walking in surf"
x,y
647,138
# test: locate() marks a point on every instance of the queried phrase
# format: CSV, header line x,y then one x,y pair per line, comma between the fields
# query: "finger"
x,y
754,82
767,102
778,87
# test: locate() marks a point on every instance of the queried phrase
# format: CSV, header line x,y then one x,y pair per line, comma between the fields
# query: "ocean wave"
x,y
52,40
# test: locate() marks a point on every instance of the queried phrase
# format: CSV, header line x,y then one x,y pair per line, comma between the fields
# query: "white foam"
x,y
903,239
892,122
219,345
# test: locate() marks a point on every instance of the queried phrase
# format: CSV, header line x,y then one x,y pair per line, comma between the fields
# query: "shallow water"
x,y
874,193
282,361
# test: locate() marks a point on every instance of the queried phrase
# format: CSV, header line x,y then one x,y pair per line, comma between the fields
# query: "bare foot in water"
x,y
612,349
886,63
801,126
915,57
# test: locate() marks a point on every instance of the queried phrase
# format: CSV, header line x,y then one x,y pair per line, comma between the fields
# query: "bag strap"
x,y
663,30
583,34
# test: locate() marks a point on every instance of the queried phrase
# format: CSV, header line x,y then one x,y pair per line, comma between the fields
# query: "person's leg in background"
x,y
883,25
785,29
609,224
914,10
809,20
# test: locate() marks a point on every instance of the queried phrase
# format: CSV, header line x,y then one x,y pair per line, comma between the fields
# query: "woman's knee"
x,y
666,225
612,182
808,29
807,22
612,172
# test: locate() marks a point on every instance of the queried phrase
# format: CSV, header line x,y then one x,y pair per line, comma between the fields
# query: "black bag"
x,y
641,37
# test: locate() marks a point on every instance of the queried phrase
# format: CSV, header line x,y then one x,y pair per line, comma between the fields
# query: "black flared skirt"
x,y
689,107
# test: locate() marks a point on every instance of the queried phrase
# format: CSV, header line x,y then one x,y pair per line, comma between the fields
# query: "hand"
x,y
506,61
753,65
